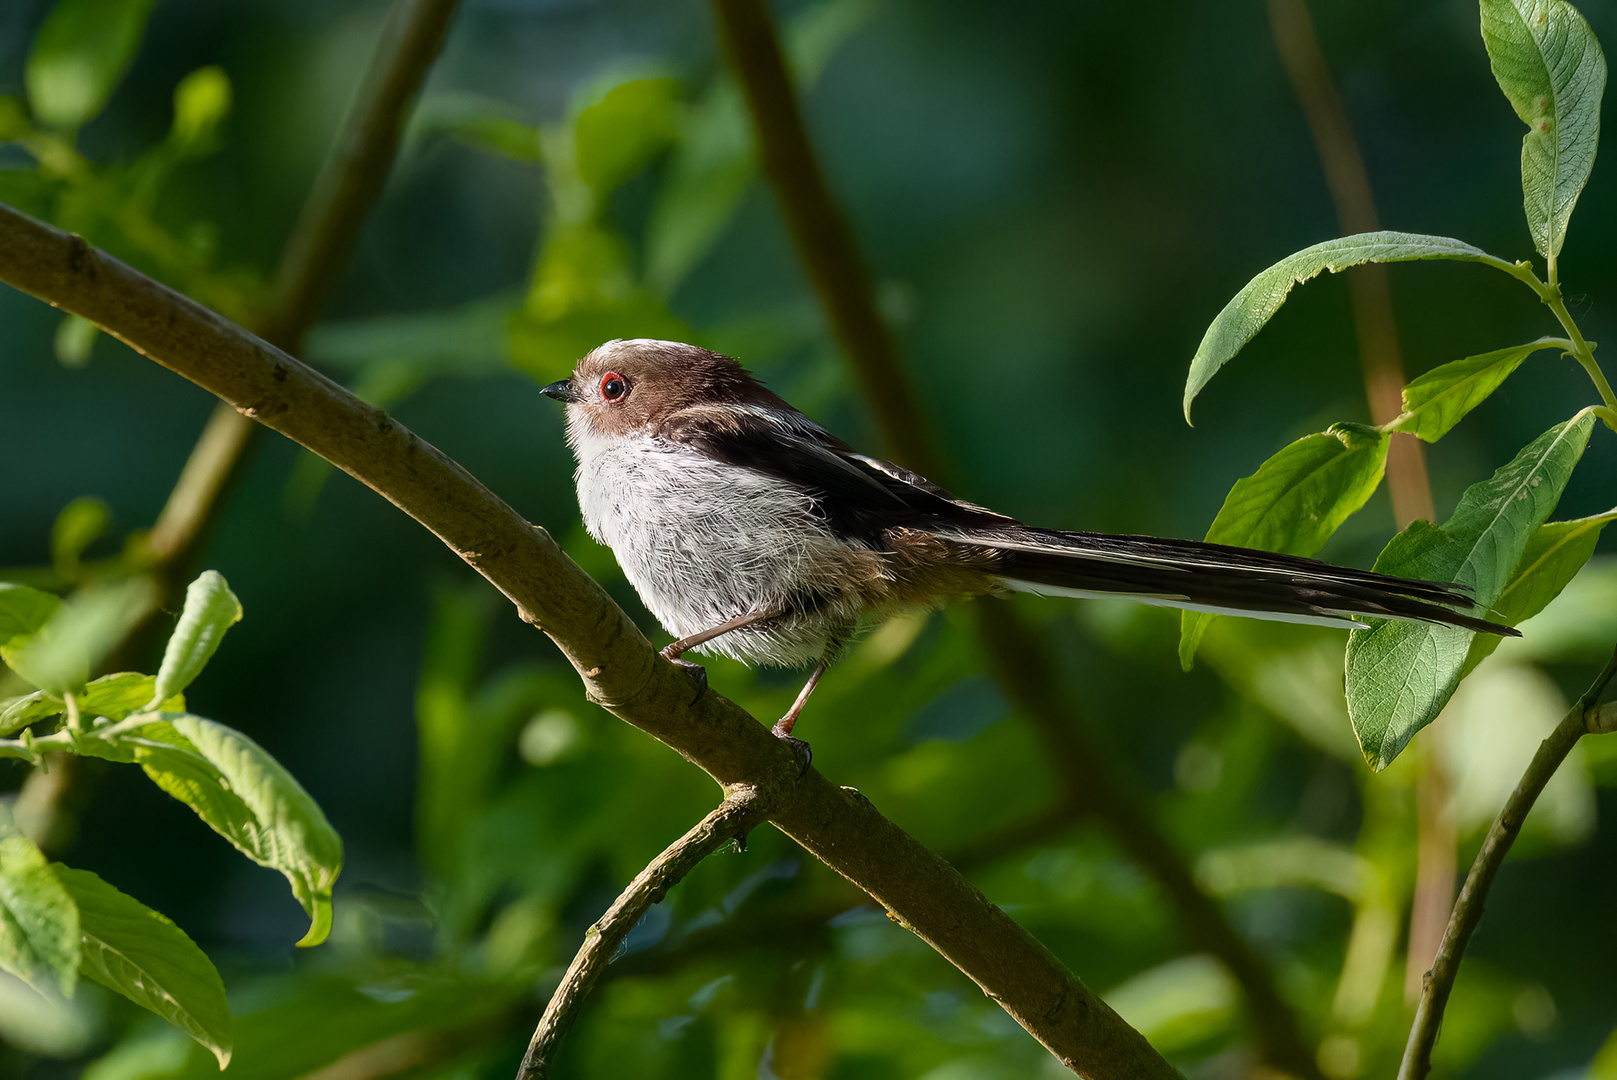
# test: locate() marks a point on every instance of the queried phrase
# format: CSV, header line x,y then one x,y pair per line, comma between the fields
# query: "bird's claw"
x,y
804,753
697,673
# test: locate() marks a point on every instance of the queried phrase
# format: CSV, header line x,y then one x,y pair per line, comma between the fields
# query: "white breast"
x,y
702,542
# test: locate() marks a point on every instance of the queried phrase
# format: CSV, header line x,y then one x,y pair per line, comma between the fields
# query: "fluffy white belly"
x,y
703,542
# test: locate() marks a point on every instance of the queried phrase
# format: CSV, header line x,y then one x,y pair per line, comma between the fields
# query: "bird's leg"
x,y
673,652
783,726
698,673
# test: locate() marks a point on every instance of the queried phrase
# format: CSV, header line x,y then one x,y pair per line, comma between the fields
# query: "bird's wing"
x,y
858,496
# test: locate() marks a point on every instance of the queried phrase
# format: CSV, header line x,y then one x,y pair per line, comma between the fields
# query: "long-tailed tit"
x,y
750,531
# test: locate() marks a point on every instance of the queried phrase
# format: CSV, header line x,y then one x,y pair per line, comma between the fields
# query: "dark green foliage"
x,y
1051,219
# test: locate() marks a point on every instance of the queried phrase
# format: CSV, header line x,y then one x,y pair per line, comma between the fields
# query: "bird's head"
x,y
624,388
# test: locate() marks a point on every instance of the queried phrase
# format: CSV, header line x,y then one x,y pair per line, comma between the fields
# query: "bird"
x,y
750,531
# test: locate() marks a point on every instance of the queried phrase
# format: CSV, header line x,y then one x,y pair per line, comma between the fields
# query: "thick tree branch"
x,y
741,809
1095,780
620,669
1582,719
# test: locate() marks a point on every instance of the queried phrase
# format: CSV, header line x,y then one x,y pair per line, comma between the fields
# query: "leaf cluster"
x,y
1498,543
57,922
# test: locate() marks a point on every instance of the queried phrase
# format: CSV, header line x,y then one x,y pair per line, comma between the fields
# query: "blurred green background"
x,y
1056,198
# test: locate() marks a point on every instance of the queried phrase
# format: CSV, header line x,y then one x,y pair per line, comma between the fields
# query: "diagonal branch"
x,y
1096,781
733,818
620,669
1582,719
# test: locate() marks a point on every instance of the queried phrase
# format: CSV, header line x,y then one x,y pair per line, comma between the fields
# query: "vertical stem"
x,y
1379,355
820,231
1102,781
1583,718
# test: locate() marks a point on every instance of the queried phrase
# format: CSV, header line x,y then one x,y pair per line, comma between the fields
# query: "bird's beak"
x,y
562,391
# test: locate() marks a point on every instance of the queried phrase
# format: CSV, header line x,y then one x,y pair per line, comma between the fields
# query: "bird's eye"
x,y
614,387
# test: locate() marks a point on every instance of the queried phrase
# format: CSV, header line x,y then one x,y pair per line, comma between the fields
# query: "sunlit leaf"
x,y
210,609
1499,718
244,795
1549,65
111,696
1257,302
75,339
1294,502
81,523
1552,558
39,923
1401,674
60,655
616,137
80,55
481,122
23,610
707,176
1179,1003
1439,399
201,103
128,947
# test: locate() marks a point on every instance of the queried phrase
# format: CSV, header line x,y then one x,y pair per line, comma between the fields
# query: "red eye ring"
x,y
614,387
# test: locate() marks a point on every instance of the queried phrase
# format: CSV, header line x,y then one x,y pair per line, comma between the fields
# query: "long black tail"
x,y
1213,577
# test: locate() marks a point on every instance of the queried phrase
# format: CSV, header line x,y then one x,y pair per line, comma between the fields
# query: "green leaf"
x,y
81,523
1401,674
1256,304
708,174
480,122
210,609
23,610
75,340
128,947
1553,557
60,655
618,135
79,56
244,795
39,923
1437,400
111,696
1294,502
1548,63
201,103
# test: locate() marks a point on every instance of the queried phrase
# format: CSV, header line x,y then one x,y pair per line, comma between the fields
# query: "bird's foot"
x,y
805,754
697,673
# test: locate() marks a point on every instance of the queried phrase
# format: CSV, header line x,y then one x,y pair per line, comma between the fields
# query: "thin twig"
x,y
1582,719
1407,480
843,282
620,669
348,185
741,809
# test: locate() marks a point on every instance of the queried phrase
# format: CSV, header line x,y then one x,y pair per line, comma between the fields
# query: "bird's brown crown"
x,y
626,386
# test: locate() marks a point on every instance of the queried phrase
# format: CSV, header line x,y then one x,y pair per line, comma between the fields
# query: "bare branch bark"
x,y
1582,719
741,809
620,669
1095,780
